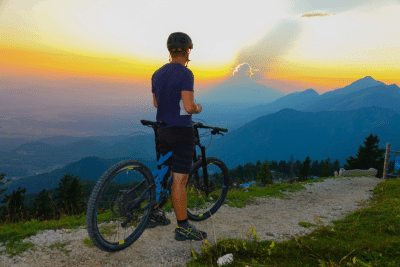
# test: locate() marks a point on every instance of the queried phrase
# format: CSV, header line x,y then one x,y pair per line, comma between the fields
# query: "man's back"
x,y
168,82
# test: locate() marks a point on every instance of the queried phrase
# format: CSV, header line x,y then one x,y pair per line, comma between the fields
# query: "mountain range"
x,y
277,136
302,123
323,134
34,157
365,92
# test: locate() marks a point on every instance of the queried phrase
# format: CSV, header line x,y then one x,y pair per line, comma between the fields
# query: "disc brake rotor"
x,y
123,202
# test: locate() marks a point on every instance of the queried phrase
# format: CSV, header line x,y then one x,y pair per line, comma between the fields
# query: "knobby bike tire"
x,y
224,190
91,215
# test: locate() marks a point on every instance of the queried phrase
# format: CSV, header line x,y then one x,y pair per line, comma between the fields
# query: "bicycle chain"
x,y
159,216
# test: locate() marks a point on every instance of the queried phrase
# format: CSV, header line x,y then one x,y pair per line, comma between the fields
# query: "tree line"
x,y
71,193
284,170
67,201
368,156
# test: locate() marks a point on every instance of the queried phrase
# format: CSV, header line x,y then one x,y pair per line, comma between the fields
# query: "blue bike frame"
x,y
161,175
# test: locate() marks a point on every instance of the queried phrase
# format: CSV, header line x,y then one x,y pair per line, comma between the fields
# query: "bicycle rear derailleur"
x,y
124,203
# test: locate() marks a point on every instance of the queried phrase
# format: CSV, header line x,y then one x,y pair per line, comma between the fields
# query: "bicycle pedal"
x,y
158,217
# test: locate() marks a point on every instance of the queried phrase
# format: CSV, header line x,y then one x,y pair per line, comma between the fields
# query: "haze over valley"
x,y
299,124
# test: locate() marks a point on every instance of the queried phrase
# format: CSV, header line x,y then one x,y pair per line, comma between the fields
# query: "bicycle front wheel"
x,y
203,202
119,206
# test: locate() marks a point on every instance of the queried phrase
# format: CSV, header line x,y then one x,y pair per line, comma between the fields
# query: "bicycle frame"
x,y
164,172
168,172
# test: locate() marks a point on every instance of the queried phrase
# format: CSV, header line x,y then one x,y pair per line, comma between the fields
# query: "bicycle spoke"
x,y
203,199
121,204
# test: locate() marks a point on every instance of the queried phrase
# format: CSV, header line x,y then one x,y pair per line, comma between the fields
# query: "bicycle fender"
x,y
164,158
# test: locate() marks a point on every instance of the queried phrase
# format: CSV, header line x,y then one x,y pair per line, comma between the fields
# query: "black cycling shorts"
x,y
179,140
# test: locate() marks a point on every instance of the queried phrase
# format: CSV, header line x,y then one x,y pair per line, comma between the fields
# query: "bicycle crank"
x,y
129,217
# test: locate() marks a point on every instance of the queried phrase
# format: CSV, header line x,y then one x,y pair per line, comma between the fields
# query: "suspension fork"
x,y
204,166
205,173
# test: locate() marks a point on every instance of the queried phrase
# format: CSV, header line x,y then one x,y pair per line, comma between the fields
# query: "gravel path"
x,y
332,198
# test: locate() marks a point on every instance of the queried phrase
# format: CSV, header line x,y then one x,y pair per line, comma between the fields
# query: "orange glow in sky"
x,y
287,49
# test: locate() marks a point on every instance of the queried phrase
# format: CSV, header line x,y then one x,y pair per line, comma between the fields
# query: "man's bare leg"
x,y
178,193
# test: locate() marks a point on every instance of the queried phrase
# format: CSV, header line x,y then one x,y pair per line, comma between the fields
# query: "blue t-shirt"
x,y
167,83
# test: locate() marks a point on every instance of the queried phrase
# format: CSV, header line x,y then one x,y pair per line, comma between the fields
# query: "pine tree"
x,y
240,173
320,167
326,168
368,156
264,176
61,190
297,168
76,195
305,169
248,171
43,206
282,167
15,204
258,164
273,165
2,176
69,194
315,168
291,166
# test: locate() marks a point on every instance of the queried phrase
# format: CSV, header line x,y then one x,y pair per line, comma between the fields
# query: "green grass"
x,y
367,237
13,233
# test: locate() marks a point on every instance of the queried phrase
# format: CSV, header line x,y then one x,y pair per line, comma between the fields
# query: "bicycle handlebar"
x,y
195,125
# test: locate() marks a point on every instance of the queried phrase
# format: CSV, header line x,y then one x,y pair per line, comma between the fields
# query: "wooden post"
x,y
386,162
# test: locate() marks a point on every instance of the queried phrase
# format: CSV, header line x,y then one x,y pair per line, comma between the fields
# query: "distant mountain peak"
x,y
368,78
310,91
360,84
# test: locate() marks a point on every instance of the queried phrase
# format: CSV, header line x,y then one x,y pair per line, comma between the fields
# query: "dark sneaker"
x,y
191,233
157,218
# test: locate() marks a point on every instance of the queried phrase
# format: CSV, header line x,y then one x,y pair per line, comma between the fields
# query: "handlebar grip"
x,y
200,125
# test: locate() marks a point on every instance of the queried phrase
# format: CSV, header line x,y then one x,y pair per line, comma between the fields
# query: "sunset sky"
x,y
113,47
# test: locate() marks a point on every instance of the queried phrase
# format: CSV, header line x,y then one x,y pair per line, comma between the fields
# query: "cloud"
x,y
2,6
310,15
244,69
264,54
300,7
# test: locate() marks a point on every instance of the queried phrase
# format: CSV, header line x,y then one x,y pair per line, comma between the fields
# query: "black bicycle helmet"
x,y
179,40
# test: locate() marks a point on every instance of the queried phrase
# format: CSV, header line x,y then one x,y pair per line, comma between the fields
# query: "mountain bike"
x,y
121,202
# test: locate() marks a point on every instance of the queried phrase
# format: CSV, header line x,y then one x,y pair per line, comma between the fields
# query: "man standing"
x,y
172,88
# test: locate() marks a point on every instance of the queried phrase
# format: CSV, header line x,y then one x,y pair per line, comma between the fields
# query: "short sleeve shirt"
x,y
167,83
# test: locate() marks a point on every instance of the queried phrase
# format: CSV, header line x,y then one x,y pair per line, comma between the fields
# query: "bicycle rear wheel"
x,y
111,222
201,205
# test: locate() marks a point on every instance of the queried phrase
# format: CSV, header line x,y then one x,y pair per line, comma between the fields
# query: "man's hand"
x,y
198,108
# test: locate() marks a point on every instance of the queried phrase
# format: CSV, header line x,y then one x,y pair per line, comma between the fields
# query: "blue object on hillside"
x,y
315,177
247,184
261,185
